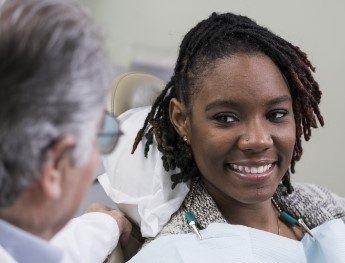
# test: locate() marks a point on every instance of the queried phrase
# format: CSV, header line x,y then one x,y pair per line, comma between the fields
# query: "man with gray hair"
x,y
54,76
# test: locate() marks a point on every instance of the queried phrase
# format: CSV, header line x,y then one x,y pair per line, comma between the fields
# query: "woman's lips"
x,y
252,173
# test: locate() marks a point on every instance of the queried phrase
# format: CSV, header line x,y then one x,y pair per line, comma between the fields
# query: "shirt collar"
x,y
25,247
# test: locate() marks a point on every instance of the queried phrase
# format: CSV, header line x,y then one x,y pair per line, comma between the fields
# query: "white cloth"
x,y
235,243
89,238
140,186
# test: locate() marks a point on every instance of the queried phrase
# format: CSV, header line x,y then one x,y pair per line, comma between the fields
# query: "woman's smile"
x,y
251,172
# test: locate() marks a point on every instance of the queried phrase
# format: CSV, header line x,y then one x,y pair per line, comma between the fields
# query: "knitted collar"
x,y
301,204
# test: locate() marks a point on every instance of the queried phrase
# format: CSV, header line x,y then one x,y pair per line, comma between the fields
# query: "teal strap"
x,y
189,217
288,219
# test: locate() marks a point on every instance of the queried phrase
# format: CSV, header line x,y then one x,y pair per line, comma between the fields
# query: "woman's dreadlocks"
x,y
219,36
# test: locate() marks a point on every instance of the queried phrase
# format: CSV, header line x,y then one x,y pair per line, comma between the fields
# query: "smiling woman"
x,y
241,119
232,119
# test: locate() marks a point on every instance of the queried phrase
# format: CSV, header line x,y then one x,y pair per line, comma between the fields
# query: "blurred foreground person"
x,y
53,79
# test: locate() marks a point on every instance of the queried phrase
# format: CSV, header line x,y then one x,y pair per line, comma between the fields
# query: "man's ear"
x,y
178,117
55,166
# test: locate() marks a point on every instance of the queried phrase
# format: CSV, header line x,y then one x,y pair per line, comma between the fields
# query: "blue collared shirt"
x,y
25,247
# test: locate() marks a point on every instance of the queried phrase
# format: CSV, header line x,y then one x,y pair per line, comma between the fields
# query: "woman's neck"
x,y
260,215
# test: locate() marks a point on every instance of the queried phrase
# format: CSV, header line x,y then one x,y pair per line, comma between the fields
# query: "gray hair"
x,y
54,76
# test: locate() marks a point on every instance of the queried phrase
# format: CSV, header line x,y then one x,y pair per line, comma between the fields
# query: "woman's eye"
x,y
277,115
225,118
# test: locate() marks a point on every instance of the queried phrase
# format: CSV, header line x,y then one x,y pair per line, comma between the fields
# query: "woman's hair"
x,y
219,36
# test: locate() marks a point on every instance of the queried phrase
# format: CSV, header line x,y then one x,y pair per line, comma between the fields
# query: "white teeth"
x,y
252,169
261,169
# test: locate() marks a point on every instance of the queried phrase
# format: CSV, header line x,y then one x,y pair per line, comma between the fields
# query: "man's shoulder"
x,y
5,257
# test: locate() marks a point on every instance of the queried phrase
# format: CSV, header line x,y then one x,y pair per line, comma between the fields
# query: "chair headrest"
x,y
133,90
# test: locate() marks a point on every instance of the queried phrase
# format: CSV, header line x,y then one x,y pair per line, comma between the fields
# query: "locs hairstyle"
x,y
219,36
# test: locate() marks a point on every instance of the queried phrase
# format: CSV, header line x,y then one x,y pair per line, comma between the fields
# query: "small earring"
x,y
185,139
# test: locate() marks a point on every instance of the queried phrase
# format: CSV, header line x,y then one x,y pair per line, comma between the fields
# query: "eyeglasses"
x,y
109,134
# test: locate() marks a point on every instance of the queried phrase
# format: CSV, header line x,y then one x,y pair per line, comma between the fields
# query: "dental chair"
x,y
133,90
128,91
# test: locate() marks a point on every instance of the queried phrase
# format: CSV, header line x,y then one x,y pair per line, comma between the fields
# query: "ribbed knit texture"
x,y
314,204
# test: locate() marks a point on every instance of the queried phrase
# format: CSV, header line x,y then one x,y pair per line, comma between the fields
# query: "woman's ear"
x,y
178,117
56,167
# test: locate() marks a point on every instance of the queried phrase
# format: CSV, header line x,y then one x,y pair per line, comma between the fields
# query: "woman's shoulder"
x,y
176,225
200,204
316,192
315,204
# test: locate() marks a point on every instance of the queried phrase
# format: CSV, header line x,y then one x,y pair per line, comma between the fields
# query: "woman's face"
x,y
241,128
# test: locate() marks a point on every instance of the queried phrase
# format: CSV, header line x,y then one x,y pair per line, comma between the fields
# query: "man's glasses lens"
x,y
109,134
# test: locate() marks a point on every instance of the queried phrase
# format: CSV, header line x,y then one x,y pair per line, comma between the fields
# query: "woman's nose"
x,y
257,137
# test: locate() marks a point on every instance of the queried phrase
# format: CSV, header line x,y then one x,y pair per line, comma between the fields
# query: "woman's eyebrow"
x,y
278,100
236,104
222,103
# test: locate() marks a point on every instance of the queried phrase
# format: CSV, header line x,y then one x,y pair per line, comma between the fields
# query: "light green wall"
x,y
154,29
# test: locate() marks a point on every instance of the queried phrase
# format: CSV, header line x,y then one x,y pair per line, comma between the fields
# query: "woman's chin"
x,y
257,195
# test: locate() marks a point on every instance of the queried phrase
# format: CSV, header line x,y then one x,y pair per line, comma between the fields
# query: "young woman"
x,y
232,118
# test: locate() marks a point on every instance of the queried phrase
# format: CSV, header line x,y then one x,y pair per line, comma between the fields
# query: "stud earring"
x,y
185,139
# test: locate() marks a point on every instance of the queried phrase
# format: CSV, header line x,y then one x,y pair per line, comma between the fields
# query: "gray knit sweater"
x,y
314,204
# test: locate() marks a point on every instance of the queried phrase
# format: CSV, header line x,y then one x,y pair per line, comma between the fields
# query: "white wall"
x,y
154,29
